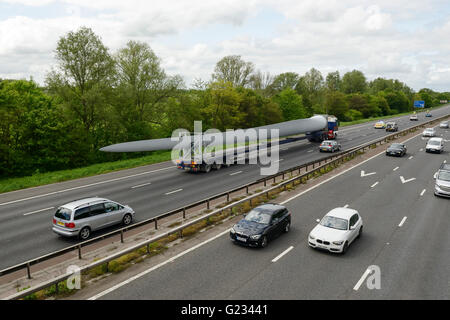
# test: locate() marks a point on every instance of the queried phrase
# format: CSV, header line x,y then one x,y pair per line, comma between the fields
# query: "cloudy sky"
x,y
404,39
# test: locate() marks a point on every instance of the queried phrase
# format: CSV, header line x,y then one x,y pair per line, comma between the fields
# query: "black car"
x,y
261,225
391,127
396,149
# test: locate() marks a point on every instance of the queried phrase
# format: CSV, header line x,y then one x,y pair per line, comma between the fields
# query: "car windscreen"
x,y
258,216
444,175
335,223
396,146
434,143
63,213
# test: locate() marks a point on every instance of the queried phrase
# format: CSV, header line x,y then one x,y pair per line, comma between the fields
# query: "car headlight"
x,y
255,236
311,237
232,231
338,243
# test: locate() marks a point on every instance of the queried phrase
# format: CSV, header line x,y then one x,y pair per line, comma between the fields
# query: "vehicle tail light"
x,y
70,225
54,221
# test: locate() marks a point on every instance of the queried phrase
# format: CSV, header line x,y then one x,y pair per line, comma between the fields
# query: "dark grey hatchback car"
x,y
261,225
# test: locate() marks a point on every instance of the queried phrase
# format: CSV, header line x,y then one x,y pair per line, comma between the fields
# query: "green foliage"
x,y
94,98
291,104
336,104
354,82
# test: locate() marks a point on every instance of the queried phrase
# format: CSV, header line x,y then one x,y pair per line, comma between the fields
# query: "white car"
x,y
444,125
429,132
337,230
435,145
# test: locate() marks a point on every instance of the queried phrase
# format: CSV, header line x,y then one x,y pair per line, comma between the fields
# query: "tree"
x,y
287,80
234,70
222,110
83,77
34,135
333,81
260,82
144,84
336,104
354,82
291,104
380,103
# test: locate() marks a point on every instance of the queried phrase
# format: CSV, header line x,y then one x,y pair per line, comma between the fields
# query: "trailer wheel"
x,y
217,166
207,168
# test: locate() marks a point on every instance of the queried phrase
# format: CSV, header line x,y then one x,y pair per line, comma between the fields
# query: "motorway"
x,y
25,215
406,234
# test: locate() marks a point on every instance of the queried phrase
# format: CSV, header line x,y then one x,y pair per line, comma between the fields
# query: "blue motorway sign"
x,y
419,104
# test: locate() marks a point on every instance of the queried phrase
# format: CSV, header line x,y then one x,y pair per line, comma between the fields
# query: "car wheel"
x,y
287,227
264,242
84,233
344,249
127,219
360,232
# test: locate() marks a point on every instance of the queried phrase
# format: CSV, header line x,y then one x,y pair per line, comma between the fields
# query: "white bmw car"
x,y
337,230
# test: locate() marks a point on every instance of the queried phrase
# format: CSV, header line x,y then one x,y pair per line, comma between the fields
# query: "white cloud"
x,y
381,38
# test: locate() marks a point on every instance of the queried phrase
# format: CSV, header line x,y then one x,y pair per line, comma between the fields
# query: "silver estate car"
x,y
81,217
329,146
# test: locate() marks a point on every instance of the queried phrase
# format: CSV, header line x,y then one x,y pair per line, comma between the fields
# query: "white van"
x,y
435,145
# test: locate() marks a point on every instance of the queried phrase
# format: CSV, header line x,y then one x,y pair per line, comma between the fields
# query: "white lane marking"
x,y
101,294
373,186
174,191
279,160
410,158
284,149
141,185
310,151
445,161
282,254
406,181
402,222
360,282
423,192
364,174
341,173
227,231
80,187
396,168
235,173
27,214
346,206
421,149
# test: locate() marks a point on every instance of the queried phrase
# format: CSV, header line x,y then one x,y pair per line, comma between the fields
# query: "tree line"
x,y
94,97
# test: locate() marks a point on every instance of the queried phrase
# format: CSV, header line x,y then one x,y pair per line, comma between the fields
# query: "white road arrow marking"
x,y
406,181
364,174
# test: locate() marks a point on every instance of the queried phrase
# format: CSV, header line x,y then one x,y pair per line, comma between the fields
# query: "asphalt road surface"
x,y
406,235
25,215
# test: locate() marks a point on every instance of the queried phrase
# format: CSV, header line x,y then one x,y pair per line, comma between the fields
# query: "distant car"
x,y
428,115
414,117
396,149
435,145
445,166
429,132
81,217
391,127
337,230
380,125
442,183
444,125
329,146
261,225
